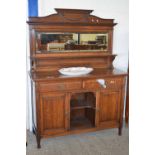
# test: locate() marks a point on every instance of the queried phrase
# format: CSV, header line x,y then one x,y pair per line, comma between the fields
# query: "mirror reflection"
x,y
62,42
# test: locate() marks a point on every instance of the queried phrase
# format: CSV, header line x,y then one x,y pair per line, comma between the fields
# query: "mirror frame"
x,y
69,46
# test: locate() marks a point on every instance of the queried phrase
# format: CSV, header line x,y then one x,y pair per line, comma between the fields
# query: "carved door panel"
x,y
108,108
54,113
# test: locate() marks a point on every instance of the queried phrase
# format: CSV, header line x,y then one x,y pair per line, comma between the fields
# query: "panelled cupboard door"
x,y
108,106
54,110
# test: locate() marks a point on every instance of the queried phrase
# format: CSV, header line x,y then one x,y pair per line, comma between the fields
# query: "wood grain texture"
x,y
74,104
53,113
71,16
108,106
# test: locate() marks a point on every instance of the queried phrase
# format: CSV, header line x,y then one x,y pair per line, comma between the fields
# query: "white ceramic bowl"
x,y
75,71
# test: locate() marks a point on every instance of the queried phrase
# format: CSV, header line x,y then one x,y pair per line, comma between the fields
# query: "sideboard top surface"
x,y
97,73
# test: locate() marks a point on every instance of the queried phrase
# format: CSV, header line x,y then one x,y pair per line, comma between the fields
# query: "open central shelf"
x,y
82,111
81,123
80,105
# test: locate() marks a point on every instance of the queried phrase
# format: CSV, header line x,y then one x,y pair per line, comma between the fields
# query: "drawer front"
x,y
113,83
91,84
61,86
110,83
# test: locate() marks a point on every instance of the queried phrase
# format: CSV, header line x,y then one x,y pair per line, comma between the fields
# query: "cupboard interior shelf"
x,y
80,123
80,104
82,107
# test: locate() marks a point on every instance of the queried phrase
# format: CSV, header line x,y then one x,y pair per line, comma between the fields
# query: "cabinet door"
x,y
108,109
54,113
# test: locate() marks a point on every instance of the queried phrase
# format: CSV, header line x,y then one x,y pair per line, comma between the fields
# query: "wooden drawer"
x,y
60,86
109,83
113,83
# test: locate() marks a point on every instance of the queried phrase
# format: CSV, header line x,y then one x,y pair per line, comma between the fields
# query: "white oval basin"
x,y
74,71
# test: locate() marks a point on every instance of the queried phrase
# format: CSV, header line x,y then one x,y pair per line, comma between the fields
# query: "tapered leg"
x,y
120,127
34,132
38,142
120,131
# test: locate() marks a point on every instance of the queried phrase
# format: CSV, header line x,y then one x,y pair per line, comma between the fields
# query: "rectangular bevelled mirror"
x,y
71,42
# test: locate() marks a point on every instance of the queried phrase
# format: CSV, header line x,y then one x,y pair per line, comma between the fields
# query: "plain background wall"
x,y
115,9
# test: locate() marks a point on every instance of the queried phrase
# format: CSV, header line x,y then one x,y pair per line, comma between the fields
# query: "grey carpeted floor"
x,y
105,142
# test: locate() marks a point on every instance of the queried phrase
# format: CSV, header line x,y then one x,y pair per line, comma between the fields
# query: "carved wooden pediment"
x,y
71,16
